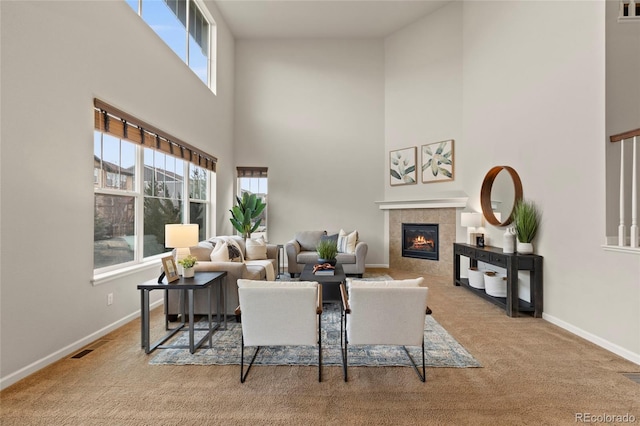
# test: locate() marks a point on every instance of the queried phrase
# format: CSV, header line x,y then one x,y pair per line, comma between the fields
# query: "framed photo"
x,y
402,166
437,162
169,268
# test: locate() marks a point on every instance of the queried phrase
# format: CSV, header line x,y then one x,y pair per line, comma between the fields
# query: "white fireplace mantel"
x,y
438,201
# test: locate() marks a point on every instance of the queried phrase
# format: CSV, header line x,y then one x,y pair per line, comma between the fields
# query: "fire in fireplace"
x,y
420,240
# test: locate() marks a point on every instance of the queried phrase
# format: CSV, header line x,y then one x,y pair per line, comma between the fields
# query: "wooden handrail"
x,y
625,135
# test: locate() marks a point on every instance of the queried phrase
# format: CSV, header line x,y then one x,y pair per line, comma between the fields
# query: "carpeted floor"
x,y
441,350
533,373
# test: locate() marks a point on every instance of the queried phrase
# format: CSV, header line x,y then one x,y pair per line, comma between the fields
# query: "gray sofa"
x,y
302,249
236,269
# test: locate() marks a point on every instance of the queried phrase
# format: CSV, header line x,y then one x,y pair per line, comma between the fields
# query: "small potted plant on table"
x,y
188,266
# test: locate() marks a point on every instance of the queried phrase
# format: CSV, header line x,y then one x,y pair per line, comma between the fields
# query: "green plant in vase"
x,y
526,219
327,251
187,266
244,214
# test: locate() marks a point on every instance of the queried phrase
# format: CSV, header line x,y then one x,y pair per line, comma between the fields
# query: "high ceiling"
x,y
250,19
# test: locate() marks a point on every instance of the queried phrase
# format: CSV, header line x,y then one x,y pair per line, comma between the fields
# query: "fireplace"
x,y
420,240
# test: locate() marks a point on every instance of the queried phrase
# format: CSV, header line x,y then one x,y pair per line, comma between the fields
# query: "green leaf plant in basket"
x,y
526,219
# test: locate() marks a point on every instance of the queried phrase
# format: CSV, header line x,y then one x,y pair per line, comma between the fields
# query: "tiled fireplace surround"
x,y
445,217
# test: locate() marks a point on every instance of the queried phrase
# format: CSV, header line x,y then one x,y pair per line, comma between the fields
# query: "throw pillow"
x,y
309,240
256,249
220,252
347,242
333,238
235,255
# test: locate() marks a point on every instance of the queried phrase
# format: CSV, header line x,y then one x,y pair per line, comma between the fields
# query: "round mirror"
x,y
501,189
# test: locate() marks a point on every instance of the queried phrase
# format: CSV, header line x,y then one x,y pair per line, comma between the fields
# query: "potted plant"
x,y
327,251
188,266
249,208
526,218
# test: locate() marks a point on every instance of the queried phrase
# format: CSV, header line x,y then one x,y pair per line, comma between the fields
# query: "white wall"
x,y
56,57
423,96
535,100
313,112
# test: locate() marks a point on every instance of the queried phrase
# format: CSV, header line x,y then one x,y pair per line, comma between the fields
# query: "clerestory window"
x,y
187,28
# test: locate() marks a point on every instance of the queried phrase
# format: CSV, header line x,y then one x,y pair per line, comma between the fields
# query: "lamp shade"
x,y
470,219
180,235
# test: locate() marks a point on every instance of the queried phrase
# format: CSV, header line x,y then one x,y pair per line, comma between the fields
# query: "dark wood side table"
x,y
330,283
186,286
512,262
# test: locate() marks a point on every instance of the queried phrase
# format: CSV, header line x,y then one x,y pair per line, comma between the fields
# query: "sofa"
x,y
352,252
253,260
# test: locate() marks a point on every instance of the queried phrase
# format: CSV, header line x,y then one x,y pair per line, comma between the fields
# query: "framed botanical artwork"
x,y
437,162
402,166
169,268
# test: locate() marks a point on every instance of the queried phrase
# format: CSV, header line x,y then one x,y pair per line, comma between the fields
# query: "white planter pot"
x,y
476,278
189,272
525,248
495,285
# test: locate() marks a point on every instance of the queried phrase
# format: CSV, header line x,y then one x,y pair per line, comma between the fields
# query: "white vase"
x,y
525,248
189,272
509,241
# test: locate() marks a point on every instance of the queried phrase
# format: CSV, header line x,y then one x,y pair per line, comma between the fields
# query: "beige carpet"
x,y
533,373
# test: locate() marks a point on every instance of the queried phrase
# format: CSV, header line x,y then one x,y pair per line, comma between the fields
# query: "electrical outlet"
x,y
110,299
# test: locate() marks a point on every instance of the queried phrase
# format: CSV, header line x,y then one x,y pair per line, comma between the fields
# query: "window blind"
x,y
113,121
252,171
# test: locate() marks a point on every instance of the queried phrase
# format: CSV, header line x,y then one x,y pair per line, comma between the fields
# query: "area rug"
x,y
441,349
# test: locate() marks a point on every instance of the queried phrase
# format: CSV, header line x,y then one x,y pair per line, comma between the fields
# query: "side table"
x,y
186,286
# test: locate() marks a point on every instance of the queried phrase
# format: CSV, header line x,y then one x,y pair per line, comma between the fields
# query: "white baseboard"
x,y
605,344
378,265
69,349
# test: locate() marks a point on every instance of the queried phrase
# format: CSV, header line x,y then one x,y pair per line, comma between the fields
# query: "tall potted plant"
x,y
243,214
526,219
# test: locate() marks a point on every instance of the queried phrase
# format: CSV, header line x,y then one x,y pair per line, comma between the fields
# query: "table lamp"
x,y
471,221
181,237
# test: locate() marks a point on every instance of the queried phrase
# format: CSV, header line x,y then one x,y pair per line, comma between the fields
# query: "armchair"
x,y
383,313
279,314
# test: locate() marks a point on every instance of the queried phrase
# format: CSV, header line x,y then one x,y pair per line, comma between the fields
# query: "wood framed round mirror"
x,y
501,189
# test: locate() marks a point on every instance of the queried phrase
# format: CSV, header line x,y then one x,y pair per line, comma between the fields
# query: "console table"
x,y
512,262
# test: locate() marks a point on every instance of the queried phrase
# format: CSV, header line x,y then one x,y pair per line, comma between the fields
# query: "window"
x,y
184,27
254,181
139,184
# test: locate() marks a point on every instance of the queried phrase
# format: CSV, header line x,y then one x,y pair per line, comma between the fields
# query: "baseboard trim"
x,y
15,377
378,265
603,343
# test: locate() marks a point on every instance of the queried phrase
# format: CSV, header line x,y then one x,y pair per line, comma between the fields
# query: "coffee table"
x,y
330,283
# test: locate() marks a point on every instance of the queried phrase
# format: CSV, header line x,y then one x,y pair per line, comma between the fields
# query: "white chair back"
x,y
386,312
278,313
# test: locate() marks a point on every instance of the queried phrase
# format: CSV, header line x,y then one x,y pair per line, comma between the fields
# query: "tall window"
x,y
140,185
187,30
254,181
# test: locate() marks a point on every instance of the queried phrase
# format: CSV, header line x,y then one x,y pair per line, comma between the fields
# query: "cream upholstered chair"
x,y
279,314
383,313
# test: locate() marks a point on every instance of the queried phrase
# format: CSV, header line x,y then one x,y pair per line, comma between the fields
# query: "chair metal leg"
x,y
243,374
343,342
415,367
320,348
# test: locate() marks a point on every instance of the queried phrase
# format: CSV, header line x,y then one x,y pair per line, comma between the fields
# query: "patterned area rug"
x,y
441,349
